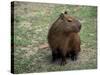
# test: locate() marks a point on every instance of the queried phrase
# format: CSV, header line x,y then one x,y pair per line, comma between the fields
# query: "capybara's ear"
x,y
61,15
69,19
65,12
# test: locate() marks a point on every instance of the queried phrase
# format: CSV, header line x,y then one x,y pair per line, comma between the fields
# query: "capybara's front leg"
x,y
54,55
63,58
74,55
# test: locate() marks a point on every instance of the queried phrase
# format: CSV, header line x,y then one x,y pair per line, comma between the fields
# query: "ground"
x,y
31,24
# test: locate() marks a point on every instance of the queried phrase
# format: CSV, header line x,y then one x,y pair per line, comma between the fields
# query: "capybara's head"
x,y
71,23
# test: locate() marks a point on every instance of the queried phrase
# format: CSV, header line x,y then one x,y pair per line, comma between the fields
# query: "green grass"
x,y
32,22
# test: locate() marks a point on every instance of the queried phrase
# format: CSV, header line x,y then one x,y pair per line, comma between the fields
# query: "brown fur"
x,y
64,39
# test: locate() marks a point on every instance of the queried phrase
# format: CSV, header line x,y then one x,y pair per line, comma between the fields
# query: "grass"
x,y
31,24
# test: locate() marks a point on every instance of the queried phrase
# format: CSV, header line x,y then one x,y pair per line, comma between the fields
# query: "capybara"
x,y
64,39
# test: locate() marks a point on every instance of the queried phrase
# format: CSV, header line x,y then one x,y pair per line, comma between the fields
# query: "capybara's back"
x,y
64,39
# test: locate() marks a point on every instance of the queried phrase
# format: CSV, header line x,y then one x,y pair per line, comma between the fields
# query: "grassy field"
x,y
31,24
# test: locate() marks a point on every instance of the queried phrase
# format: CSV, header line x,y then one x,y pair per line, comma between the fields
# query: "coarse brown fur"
x,y
64,39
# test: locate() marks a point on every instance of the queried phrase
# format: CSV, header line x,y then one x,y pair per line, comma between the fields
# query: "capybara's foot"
x,y
63,63
58,61
74,57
